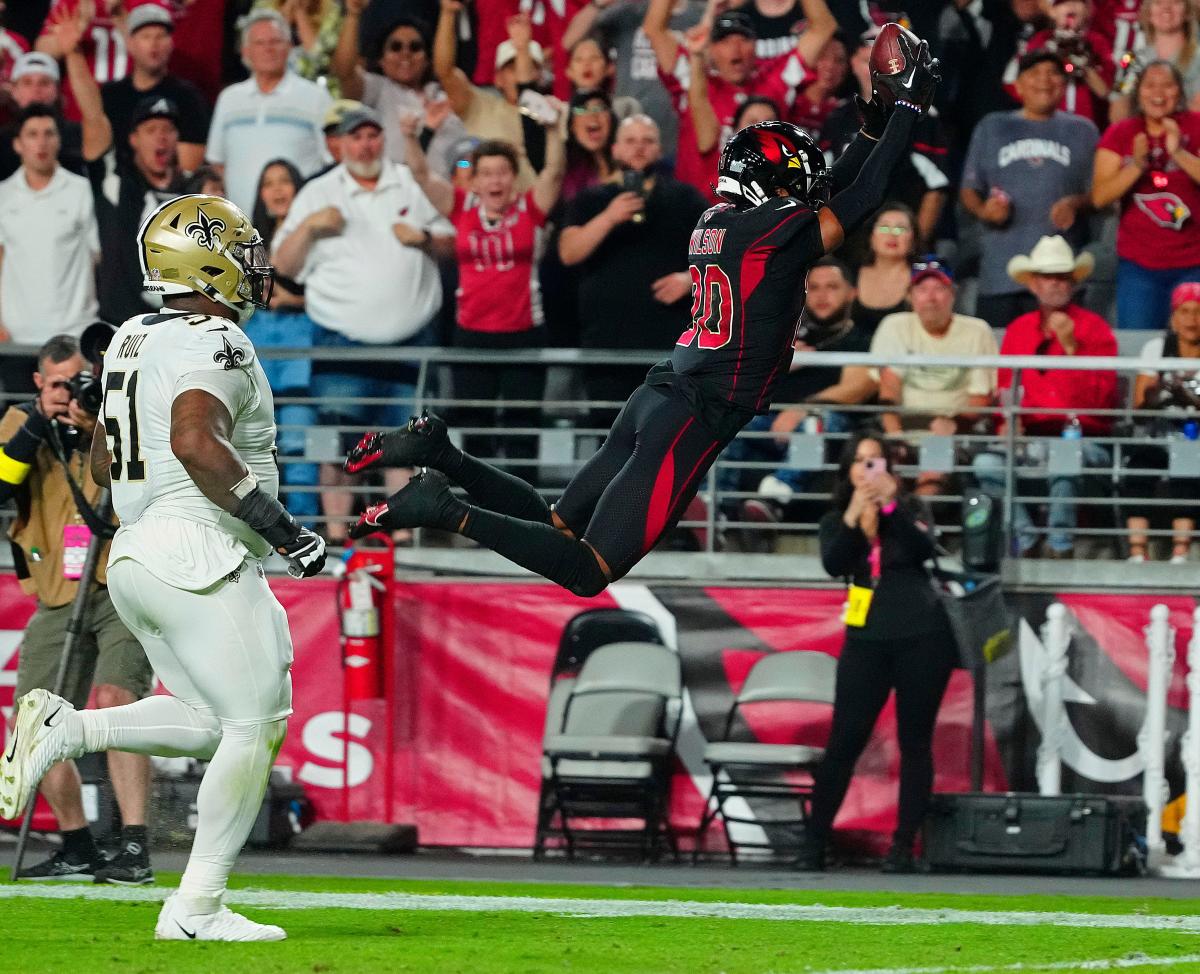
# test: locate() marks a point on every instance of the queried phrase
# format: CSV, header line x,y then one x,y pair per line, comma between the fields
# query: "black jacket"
x,y
904,603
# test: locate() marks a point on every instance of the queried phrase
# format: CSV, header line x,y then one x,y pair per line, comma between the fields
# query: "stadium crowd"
x,y
513,175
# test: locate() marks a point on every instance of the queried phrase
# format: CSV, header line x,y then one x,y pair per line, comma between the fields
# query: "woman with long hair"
x,y
1148,163
284,324
1168,31
591,129
897,638
884,279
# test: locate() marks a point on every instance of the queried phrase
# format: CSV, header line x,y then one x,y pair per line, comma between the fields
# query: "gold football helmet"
x,y
206,245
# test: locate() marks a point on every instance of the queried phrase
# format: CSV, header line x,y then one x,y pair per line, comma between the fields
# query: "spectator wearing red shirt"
x,y
1117,22
102,24
1084,54
816,100
1058,327
498,242
12,46
1149,163
723,71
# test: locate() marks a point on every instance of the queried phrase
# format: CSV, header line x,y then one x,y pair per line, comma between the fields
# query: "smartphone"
x,y
876,467
534,105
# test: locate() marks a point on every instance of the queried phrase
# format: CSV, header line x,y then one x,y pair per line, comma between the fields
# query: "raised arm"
x,y
657,28
548,184
439,190
454,82
344,62
820,26
582,23
97,130
704,116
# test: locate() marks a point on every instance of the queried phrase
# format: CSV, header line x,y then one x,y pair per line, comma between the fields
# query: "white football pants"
x,y
225,654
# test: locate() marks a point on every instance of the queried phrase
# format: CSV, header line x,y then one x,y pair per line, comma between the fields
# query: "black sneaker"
x,y
810,857
425,502
900,860
129,867
424,442
60,869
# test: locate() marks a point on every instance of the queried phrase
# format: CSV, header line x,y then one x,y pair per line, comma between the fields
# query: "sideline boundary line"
x,y
585,908
1128,962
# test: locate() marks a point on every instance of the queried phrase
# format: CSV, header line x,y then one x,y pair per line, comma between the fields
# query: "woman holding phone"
x,y
897,637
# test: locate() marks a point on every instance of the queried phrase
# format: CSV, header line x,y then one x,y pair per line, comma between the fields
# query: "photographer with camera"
x,y
629,239
44,469
1083,54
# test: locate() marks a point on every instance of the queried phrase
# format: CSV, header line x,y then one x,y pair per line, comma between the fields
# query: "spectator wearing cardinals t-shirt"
x,y
1083,52
723,70
498,242
102,24
1148,164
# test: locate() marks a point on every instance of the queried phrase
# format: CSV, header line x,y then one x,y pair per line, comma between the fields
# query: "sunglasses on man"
x,y
400,47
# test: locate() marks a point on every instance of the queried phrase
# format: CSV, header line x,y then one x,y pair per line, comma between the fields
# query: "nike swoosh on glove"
x,y
373,519
917,82
305,554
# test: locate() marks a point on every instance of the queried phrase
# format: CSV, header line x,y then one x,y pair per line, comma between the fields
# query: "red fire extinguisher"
x,y
364,586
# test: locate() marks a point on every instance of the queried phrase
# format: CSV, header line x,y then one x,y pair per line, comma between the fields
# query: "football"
x,y
887,54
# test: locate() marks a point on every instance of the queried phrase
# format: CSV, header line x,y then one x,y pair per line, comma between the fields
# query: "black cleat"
x,y
900,860
425,502
129,867
424,442
58,868
810,857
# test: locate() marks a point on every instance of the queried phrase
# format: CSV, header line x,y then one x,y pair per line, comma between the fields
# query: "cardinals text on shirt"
x,y
1034,150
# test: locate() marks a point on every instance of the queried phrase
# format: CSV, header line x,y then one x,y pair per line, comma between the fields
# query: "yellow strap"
x,y
12,471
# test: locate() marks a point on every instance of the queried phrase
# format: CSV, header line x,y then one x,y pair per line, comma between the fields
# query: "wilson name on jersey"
x,y
152,359
747,268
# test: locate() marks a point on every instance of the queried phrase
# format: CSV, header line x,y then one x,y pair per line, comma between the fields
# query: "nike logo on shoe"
x,y
13,750
46,722
190,934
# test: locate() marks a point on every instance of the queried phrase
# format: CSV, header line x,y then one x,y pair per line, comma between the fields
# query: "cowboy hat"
x,y
1051,255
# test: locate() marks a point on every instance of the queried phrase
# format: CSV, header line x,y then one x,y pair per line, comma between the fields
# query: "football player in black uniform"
x,y
784,210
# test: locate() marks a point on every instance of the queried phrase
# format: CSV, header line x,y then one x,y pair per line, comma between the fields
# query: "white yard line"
x,y
1116,964
565,906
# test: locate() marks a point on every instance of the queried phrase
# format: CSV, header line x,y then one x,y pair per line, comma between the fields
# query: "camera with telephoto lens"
x,y
88,391
1072,49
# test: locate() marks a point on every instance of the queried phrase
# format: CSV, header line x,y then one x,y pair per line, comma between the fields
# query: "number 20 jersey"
x,y
167,524
748,268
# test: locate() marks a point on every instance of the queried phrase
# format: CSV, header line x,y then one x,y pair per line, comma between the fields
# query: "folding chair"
x,y
768,772
611,755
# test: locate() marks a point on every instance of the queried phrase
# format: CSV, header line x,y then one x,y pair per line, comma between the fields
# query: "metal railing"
x,y
721,542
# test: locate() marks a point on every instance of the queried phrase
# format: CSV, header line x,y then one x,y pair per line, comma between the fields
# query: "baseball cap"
x,y
507,51
732,22
932,266
35,62
1187,291
357,119
159,107
147,15
1031,59
338,111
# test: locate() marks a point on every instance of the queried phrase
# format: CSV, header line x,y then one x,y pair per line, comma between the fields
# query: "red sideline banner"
x,y
470,677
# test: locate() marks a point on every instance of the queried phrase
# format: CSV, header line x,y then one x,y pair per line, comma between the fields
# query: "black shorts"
x,y
643,477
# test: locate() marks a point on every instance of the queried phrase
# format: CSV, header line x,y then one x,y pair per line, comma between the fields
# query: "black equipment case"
x,y
1012,832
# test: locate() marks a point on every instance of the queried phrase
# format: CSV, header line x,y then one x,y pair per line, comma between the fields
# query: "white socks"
x,y
160,725
229,800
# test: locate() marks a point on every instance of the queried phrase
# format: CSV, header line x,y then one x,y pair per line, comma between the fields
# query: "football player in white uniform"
x,y
186,439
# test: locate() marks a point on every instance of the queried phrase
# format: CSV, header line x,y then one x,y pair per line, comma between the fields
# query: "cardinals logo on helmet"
x,y
777,149
1165,209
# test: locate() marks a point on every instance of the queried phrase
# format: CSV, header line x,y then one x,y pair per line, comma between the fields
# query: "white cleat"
x,y
45,732
174,924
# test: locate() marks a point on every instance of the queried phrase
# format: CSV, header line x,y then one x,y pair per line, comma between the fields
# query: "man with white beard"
x,y
362,240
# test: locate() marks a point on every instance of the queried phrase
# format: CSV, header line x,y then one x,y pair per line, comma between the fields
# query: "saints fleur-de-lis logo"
x,y
229,357
205,229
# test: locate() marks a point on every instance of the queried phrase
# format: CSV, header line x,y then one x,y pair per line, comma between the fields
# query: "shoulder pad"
x,y
214,343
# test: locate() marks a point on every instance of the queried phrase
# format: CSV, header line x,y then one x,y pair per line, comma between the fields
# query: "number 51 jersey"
x,y
167,524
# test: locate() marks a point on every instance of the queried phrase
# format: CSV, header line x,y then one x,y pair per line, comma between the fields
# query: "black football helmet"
x,y
770,156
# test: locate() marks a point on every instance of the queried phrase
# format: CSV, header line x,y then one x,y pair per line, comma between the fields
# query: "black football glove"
x,y
916,83
305,554
873,115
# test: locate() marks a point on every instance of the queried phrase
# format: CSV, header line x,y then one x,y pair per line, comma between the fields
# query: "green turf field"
x,y
337,924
